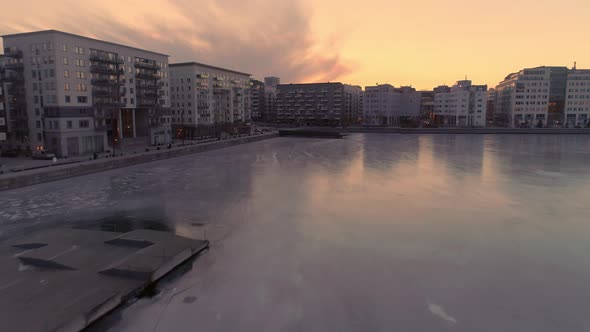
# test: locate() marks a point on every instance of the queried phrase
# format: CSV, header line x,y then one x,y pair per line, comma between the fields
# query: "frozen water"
x,y
368,233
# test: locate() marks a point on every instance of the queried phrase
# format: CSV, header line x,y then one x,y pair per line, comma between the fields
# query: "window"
x,y
65,47
39,139
129,59
79,62
80,75
66,86
132,101
34,74
131,90
82,99
65,60
66,73
69,124
51,72
36,99
37,112
84,123
34,86
38,124
67,99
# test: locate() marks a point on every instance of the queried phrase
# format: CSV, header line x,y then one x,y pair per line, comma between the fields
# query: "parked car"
x,y
43,155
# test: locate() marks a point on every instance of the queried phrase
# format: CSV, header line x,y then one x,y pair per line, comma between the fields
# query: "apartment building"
x,y
258,101
385,105
462,105
532,97
426,105
270,97
207,99
318,104
75,95
577,102
3,107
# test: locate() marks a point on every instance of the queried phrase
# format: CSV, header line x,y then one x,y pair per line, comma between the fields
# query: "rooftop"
x,y
185,64
77,36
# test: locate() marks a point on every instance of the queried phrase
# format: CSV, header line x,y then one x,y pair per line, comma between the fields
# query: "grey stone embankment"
x,y
37,176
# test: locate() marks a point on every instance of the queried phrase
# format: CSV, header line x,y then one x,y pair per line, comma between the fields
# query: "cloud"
x,y
263,37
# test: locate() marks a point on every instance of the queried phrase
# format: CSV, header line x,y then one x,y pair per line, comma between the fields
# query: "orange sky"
x,y
420,43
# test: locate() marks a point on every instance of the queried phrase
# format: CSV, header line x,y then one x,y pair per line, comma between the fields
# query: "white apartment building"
x,y
75,95
532,97
577,101
385,105
205,96
462,105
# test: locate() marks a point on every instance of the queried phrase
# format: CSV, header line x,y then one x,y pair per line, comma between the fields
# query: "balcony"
x,y
15,66
106,59
14,79
14,54
105,93
147,76
108,103
203,75
147,65
105,82
100,69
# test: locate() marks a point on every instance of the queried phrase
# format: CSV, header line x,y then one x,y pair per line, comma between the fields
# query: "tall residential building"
x,y
206,98
462,105
75,95
318,104
258,100
385,105
577,102
270,97
532,97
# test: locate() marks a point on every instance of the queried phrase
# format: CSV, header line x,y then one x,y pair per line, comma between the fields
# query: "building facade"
x,y
533,97
206,99
270,97
577,102
318,104
258,100
385,105
75,95
3,108
426,106
462,105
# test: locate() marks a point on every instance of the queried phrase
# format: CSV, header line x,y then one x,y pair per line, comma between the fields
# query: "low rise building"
x,y
532,97
318,104
3,107
385,105
207,100
462,105
577,102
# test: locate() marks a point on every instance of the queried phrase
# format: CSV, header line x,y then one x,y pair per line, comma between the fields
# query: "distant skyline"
x,y
423,44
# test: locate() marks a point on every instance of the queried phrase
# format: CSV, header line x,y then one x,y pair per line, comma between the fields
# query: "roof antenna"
x,y
575,65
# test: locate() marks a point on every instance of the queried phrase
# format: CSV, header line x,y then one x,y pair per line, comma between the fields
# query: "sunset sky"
x,y
420,43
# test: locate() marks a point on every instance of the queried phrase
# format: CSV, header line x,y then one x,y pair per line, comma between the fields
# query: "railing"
x,y
105,93
14,79
14,66
8,53
107,103
98,69
148,76
105,82
147,65
106,59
